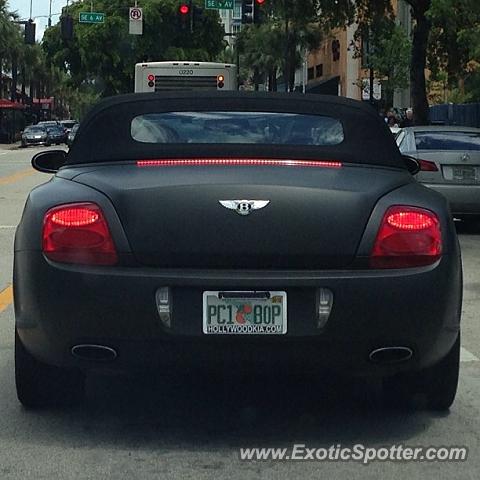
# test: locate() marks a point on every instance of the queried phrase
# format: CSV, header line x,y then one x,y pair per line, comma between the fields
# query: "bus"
x,y
165,76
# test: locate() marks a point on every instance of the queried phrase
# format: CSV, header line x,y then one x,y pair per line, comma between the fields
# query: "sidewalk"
x,y
9,146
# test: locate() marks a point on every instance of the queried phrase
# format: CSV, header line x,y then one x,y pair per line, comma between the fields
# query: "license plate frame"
x,y
463,173
261,319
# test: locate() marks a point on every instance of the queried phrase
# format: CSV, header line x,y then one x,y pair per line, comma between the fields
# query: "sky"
x,y
40,9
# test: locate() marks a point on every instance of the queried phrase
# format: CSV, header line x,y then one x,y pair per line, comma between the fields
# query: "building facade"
x,y
336,69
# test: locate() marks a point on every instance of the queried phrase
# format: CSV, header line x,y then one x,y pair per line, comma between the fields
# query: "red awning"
x,y
4,103
44,101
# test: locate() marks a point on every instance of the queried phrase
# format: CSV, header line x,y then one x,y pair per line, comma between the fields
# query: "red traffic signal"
x,y
184,9
260,2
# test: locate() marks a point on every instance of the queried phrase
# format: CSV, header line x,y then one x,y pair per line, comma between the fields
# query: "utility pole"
x,y
371,71
237,50
287,49
50,15
237,53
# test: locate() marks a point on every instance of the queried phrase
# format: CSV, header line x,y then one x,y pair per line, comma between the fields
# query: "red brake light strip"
x,y
235,162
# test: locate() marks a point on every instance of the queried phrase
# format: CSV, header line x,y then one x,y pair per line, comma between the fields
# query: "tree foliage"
x,y
390,60
103,56
290,29
454,45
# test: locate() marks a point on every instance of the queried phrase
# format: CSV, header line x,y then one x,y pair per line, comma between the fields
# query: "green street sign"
x,y
219,4
92,17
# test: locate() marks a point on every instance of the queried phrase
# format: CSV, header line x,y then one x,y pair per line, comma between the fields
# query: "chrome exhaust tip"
x,y
386,355
98,353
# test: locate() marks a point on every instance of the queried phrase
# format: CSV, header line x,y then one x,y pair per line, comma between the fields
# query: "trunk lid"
x,y
173,219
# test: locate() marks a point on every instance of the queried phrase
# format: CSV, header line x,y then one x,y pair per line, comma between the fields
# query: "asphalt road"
x,y
155,428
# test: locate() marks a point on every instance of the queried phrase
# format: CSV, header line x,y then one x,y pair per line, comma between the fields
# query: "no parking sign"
x,y
136,21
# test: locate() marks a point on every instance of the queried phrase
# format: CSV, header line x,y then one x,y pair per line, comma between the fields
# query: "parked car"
x,y
71,135
68,125
55,134
450,163
237,232
48,123
34,135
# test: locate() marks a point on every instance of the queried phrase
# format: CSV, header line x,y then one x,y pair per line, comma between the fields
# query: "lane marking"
x,y
16,176
7,226
6,298
466,356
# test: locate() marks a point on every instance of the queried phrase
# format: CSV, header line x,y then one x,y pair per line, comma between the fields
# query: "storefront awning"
x,y
7,104
327,86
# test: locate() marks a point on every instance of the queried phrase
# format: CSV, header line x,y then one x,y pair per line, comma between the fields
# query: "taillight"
x,y
78,233
427,166
407,237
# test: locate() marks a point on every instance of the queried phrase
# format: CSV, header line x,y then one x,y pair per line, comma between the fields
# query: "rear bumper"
x,y
463,199
34,142
59,306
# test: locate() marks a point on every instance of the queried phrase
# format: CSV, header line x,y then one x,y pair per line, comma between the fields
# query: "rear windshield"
x,y
262,128
447,140
34,130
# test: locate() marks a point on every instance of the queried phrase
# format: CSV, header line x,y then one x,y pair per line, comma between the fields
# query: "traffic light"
x,y
253,11
198,17
185,15
248,11
259,11
66,26
30,32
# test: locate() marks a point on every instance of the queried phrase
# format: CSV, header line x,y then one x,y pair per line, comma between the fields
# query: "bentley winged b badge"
x,y
244,207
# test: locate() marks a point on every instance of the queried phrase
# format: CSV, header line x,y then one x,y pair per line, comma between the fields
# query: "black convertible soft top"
x,y
105,134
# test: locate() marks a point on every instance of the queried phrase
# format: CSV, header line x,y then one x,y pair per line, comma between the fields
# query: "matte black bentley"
x,y
236,230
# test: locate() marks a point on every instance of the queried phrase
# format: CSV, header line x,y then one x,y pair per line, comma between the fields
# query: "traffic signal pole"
x,y
190,4
237,54
287,50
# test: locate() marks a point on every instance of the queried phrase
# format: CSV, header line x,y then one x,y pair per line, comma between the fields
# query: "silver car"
x,y
34,135
450,163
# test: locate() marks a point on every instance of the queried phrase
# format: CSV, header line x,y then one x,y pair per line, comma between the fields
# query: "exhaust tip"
x,y
386,355
98,353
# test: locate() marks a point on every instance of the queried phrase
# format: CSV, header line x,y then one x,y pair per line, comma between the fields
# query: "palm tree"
x,y
264,49
9,35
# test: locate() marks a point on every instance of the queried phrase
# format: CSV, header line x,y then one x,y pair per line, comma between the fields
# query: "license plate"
x,y
464,172
244,313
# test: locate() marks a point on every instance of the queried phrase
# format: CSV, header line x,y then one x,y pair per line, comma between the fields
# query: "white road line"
x,y
7,226
466,356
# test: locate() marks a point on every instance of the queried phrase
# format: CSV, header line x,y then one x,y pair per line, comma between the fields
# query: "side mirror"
x,y
49,161
413,165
